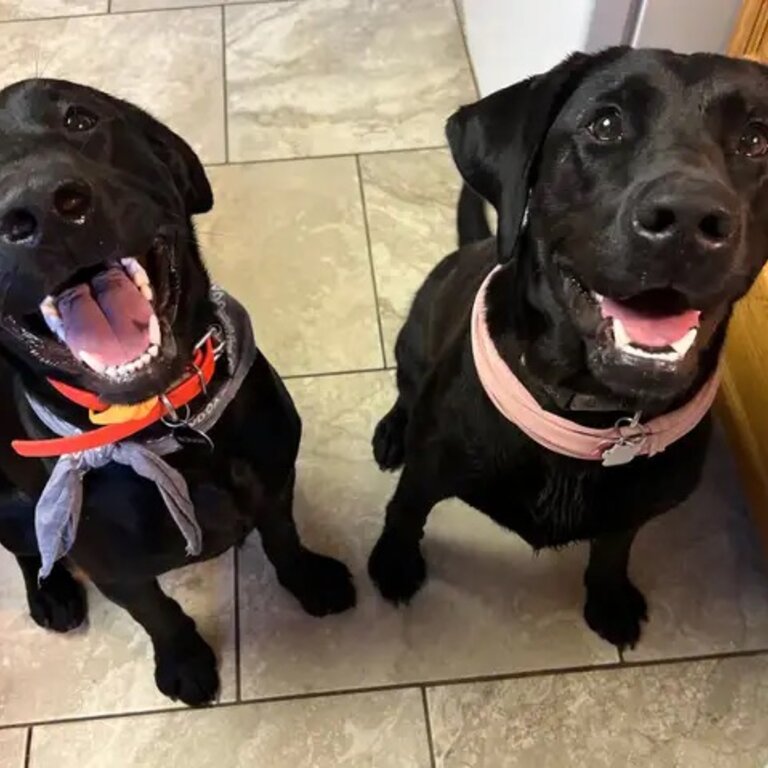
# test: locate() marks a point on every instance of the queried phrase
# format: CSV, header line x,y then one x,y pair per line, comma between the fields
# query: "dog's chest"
x,y
551,500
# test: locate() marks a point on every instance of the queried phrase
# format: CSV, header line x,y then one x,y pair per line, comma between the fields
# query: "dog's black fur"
x,y
145,184
690,126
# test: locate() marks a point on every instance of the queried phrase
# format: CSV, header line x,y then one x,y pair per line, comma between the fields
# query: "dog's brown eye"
x,y
79,119
754,141
607,126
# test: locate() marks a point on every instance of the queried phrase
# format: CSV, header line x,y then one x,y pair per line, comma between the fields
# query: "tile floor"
x,y
320,121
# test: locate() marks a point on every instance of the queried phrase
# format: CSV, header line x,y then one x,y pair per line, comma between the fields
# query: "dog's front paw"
x,y
617,615
397,569
389,439
321,584
185,670
59,603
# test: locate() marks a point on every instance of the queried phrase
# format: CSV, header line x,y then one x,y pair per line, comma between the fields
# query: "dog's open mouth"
x,y
655,325
108,319
112,319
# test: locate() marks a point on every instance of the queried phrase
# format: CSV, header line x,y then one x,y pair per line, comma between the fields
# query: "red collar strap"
x,y
203,368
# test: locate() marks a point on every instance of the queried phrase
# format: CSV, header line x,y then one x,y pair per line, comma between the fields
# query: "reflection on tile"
x,y
12,745
411,204
378,730
170,63
709,714
35,9
340,76
288,239
107,666
703,572
490,605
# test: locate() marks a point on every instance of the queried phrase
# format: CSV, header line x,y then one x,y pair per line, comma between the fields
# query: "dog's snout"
x,y
18,226
694,216
42,207
72,201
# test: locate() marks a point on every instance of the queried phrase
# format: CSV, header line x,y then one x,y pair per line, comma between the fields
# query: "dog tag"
x,y
188,437
622,452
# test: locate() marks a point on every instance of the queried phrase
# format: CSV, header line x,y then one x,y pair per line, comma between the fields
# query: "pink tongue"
x,y
651,330
108,318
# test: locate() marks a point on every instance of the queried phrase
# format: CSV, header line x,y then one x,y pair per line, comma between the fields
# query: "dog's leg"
x,y
389,437
321,584
185,666
615,608
396,564
58,603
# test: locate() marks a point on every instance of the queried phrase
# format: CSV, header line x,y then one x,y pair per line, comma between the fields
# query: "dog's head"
x,y
101,283
643,174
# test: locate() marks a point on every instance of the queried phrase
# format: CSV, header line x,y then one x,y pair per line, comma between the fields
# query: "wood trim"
x,y
751,30
743,401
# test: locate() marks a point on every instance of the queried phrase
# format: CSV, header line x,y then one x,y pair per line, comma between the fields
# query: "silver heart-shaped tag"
x,y
622,452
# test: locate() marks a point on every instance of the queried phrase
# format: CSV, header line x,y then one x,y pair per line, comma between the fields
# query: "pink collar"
x,y
616,445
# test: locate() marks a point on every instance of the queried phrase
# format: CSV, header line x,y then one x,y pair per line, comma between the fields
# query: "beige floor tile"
x,y
168,62
411,204
490,605
709,714
378,730
703,572
288,239
145,5
107,666
34,9
12,745
340,76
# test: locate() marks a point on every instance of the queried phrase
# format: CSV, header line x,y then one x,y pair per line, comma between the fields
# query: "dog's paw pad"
x,y
59,603
321,584
397,569
389,439
186,670
617,615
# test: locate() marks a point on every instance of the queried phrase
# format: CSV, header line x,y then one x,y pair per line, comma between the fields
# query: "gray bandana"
x,y
58,509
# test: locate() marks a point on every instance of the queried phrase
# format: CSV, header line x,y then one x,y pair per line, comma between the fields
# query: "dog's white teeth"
x,y
620,335
154,330
145,359
154,351
92,362
48,307
137,273
682,346
146,292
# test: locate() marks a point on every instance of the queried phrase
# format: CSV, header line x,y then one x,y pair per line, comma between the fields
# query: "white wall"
x,y
686,25
510,40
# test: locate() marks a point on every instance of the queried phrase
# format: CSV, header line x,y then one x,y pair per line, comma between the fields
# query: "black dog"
x,y
631,196
102,287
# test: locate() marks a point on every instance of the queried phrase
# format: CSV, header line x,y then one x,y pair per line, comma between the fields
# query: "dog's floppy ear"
x,y
495,142
179,157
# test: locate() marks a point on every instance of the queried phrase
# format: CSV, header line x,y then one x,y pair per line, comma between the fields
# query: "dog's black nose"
x,y
700,217
27,213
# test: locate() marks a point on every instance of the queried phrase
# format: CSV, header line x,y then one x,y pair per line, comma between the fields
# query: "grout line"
x,y
236,585
302,158
28,747
225,90
428,723
370,262
325,374
109,6
465,44
436,683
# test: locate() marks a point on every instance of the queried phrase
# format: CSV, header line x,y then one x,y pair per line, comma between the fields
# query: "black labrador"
x,y
99,263
631,193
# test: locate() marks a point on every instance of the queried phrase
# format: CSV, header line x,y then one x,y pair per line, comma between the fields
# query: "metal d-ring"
x,y
172,418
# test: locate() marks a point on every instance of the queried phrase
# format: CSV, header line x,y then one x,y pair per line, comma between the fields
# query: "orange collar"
x,y
203,367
